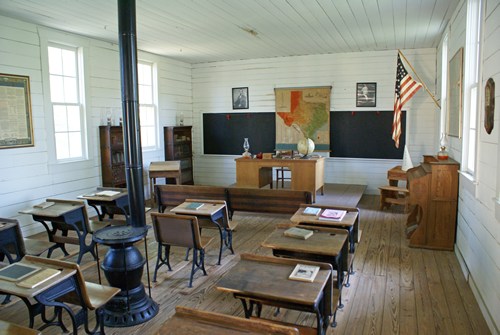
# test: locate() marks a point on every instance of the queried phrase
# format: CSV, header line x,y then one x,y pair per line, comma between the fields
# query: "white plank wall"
x,y
212,83
478,230
28,174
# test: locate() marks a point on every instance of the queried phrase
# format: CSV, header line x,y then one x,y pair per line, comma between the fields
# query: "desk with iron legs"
x,y
64,216
46,295
109,204
262,280
350,222
212,212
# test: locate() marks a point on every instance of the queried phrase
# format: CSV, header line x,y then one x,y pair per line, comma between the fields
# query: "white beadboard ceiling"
x,y
200,31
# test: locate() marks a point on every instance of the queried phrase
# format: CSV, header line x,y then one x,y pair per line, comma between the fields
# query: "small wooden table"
x,y
164,169
261,280
108,202
350,222
46,295
210,211
188,321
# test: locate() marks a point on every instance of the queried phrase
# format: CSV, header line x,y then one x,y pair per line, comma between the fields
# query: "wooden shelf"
x,y
178,147
112,156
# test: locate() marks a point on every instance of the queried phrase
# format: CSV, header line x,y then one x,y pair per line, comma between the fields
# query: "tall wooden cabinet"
x,y
433,197
178,147
112,156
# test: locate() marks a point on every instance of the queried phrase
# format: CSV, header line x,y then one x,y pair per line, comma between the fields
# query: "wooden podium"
x,y
433,198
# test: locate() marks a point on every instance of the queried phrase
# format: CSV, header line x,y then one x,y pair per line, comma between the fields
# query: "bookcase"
x,y
178,147
112,156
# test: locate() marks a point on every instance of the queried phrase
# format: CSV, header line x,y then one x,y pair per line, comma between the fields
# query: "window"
x,y
444,84
66,101
471,85
147,107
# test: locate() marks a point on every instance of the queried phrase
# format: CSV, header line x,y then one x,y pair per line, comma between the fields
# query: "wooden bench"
x,y
237,198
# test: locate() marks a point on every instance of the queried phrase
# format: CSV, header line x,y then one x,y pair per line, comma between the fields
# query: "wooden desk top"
x,y
324,241
187,321
54,211
10,287
164,166
122,192
279,161
267,278
206,210
348,220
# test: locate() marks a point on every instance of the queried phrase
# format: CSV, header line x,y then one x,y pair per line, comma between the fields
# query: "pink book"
x,y
332,214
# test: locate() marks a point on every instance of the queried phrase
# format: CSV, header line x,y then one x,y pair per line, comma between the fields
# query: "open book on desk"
x,y
332,215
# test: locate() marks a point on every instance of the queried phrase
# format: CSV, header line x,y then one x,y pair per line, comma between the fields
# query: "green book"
x,y
194,205
300,233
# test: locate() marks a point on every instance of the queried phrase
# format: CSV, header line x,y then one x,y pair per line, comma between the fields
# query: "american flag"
x,y
406,87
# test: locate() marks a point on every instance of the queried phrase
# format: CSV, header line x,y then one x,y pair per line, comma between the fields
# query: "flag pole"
x,y
423,84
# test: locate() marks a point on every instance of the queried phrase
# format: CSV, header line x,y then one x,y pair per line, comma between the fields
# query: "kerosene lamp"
x,y
443,154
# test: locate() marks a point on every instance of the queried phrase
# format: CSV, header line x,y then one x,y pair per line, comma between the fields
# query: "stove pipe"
x,y
130,107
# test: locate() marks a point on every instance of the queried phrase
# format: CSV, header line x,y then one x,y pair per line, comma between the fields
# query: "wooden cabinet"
x,y
112,156
433,188
178,147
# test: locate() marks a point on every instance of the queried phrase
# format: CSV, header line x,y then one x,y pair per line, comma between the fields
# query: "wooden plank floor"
x,y
395,289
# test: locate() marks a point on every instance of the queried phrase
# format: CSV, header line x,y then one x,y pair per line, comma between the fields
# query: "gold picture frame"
x,y
16,125
455,99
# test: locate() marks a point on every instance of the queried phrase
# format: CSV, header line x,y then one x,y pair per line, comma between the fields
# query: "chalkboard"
x,y
356,134
223,133
365,135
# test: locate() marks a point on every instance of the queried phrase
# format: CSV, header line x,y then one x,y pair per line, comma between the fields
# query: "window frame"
x,y
472,88
49,37
153,105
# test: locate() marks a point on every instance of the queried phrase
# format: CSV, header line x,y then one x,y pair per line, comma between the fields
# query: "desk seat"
x,y
8,328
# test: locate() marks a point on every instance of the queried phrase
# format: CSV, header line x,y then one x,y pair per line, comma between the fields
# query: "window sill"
x,y
468,183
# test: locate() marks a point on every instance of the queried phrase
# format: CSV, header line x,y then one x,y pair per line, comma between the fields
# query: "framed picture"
x,y
455,78
240,98
16,127
366,94
489,105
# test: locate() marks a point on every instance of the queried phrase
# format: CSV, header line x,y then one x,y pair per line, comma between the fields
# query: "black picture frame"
x,y
366,94
240,97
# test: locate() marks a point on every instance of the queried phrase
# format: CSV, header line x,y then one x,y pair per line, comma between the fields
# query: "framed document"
x,y
16,127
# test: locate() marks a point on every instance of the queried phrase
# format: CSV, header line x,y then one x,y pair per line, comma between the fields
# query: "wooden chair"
x,y
182,231
227,225
14,246
90,296
280,171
